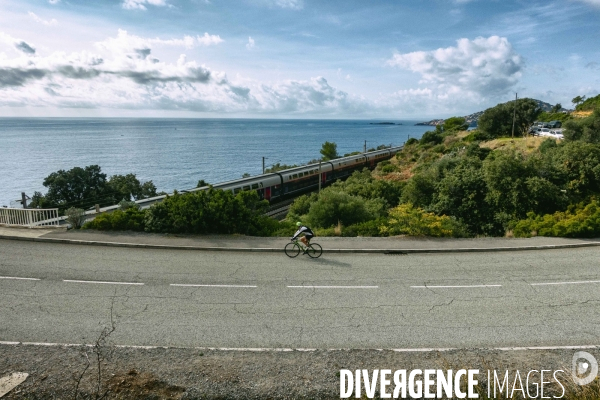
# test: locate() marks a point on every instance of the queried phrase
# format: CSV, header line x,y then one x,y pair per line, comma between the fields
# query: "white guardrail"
x,y
29,217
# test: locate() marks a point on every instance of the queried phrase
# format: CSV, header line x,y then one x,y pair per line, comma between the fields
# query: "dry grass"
x,y
525,145
338,229
581,114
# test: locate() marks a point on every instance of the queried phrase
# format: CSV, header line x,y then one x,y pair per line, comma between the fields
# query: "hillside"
x,y
473,118
589,104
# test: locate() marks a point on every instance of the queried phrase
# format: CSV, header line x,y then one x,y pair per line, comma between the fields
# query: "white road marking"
x,y
286,349
19,278
223,286
9,382
453,287
562,283
333,287
103,282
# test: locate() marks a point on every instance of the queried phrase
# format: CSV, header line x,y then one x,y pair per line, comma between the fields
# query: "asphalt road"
x,y
250,300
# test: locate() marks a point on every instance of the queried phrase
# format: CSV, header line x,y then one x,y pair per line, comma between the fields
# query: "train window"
x,y
306,173
236,190
246,187
294,176
255,186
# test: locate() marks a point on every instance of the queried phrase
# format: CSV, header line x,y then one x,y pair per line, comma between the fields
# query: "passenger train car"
x,y
289,183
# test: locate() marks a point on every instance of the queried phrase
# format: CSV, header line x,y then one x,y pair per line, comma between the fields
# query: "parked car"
x,y
554,124
544,132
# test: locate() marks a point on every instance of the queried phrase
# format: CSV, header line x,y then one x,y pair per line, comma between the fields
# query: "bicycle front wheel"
x,y
292,250
314,250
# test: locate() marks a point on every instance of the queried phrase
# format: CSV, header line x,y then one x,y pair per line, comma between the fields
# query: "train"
x,y
290,183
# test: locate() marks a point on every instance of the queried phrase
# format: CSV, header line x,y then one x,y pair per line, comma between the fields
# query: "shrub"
x,y
75,217
368,228
578,221
210,211
408,220
126,205
411,141
386,169
131,219
301,206
431,137
333,207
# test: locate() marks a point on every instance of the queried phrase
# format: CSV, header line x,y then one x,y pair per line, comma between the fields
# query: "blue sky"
x,y
292,58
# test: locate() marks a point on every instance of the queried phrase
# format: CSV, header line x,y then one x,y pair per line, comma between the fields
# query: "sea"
x,y
174,153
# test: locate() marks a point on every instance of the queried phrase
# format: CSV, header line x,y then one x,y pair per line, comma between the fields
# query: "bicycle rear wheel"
x,y
314,250
292,250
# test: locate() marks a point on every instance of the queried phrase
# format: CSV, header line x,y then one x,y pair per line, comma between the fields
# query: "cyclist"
x,y
308,233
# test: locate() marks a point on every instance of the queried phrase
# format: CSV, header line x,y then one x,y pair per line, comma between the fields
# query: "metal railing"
x,y
29,217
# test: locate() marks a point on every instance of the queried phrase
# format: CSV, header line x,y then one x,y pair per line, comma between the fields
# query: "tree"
x,y
127,187
455,124
461,194
556,108
329,151
202,183
498,121
577,100
78,187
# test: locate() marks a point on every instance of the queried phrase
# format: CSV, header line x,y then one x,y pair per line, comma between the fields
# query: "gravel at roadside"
x,y
133,373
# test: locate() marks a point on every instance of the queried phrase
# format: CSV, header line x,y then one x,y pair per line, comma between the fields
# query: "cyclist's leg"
x,y
304,240
307,239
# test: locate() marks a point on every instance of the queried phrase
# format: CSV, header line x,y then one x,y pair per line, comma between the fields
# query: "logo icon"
x,y
584,368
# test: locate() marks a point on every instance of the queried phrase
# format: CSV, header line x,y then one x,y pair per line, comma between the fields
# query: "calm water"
x,y
173,153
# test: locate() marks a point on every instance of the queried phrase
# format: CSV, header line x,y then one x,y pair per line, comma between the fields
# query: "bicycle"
x,y
294,248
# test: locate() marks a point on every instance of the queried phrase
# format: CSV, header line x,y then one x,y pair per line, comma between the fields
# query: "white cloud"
x,y
141,4
289,4
41,20
208,40
121,73
484,67
292,4
595,3
126,43
53,1
250,43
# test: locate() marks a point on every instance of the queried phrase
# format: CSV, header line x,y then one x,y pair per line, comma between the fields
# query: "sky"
x,y
395,59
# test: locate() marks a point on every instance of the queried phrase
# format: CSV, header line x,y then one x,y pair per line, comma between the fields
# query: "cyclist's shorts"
x,y
308,236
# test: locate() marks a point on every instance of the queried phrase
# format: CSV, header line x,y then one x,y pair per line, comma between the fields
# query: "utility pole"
x,y
263,165
319,176
24,199
514,117
365,147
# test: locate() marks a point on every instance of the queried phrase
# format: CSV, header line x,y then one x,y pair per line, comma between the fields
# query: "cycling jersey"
x,y
308,233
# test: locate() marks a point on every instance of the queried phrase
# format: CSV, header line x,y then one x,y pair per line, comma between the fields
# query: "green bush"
x,y
131,219
301,206
386,169
432,137
75,217
334,206
210,211
585,129
578,221
368,228
408,220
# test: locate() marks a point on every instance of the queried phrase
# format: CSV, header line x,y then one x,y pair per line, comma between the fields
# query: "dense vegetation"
x,y
450,183
454,183
583,104
85,187
203,212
